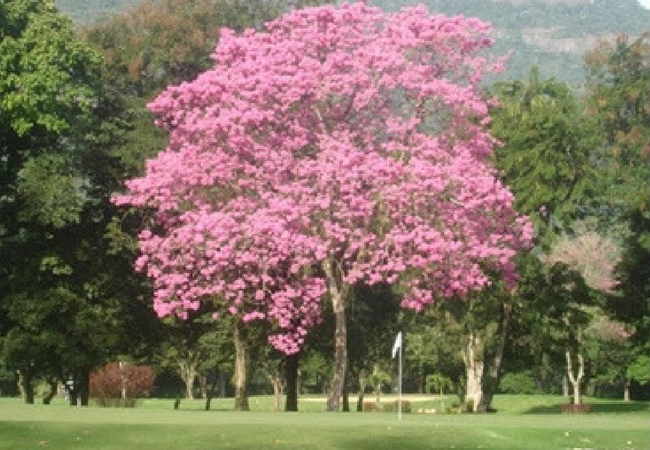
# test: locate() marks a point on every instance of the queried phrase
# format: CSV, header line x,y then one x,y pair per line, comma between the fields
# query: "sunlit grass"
x,y
155,424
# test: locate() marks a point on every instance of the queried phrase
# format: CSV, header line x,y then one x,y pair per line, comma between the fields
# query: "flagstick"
x,y
399,386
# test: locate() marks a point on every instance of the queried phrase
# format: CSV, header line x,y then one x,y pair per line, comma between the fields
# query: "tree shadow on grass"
x,y
602,408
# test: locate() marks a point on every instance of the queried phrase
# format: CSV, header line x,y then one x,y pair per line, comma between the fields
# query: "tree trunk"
x,y
123,380
26,385
346,395
626,394
241,370
565,386
223,384
362,390
84,388
209,393
575,379
291,378
53,385
491,378
276,382
473,356
337,296
187,371
203,386
421,382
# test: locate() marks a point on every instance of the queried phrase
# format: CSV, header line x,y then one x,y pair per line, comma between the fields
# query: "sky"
x,y
645,3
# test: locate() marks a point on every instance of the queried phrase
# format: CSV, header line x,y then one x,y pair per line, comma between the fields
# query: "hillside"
x,y
553,34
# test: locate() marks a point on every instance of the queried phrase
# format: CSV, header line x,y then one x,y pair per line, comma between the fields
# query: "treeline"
x,y
74,127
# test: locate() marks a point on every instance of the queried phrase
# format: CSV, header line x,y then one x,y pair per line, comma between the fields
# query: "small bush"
x,y
392,407
370,407
120,384
518,383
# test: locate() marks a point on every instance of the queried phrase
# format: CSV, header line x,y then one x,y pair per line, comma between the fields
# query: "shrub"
x,y
518,383
392,407
370,407
120,384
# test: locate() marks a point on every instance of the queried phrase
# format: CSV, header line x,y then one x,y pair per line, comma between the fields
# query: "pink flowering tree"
x,y
342,145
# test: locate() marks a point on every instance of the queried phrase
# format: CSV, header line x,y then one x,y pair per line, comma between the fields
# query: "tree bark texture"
x,y
241,370
187,370
491,382
483,357
473,356
337,295
346,395
575,379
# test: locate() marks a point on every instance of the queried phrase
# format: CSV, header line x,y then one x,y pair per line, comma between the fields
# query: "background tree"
x,y
59,274
619,96
47,95
546,152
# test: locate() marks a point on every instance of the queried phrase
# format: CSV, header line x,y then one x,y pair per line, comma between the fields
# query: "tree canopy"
x,y
343,146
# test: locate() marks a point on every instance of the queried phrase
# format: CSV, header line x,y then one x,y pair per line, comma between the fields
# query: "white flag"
x,y
398,343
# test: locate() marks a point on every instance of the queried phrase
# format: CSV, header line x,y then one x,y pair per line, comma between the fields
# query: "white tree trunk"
x,y
241,371
575,379
474,369
187,371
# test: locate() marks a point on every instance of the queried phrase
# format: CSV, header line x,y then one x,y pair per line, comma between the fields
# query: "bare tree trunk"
x,y
84,388
187,371
291,378
203,386
626,394
575,379
474,369
491,381
209,393
277,393
223,382
346,395
25,383
122,380
565,386
241,371
337,296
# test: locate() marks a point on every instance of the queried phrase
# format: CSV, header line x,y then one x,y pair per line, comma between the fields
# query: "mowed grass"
x,y
523,422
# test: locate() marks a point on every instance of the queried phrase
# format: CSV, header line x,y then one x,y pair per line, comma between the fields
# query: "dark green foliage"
x,y
518,383
546,152
619,96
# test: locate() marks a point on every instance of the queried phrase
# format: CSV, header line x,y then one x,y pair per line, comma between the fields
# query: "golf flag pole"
x,y
397,348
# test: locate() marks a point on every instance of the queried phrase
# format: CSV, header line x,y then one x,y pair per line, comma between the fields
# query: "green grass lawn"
x,y
523,422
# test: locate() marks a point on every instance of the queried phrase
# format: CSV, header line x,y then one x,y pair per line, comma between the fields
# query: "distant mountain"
x,y
87,11
553,34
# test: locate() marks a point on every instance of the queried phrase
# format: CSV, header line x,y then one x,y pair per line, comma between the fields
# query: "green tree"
x,y
619,97
546,153
58,278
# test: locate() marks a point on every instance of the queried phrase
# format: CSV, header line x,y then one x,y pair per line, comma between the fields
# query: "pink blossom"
x,y
343,134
